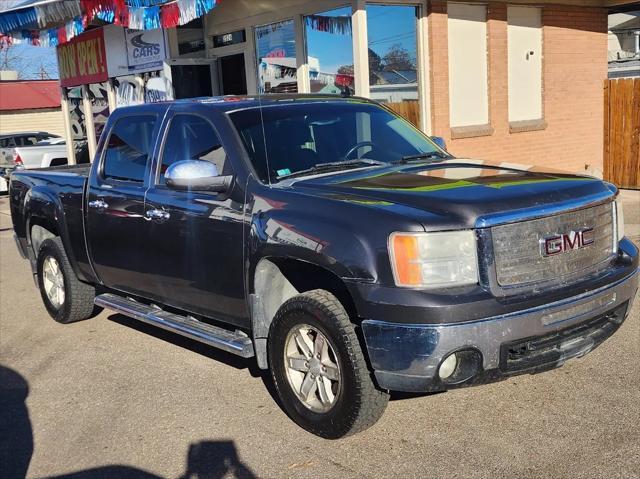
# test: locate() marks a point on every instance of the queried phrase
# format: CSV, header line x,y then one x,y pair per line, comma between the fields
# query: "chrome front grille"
x,y
518,254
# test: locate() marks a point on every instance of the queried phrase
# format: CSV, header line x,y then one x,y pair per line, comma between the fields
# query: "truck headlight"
x,y
433,260
619,221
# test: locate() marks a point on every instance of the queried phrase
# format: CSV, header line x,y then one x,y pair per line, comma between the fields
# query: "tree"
x,y
345,70
398,58
40,63
9,60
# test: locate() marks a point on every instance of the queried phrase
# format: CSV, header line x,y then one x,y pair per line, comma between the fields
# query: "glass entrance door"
x,y
233,77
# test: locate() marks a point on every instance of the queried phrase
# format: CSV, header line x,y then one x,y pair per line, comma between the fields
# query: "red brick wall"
x,y
574,68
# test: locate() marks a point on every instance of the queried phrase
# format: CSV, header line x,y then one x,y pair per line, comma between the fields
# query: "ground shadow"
x,y
205,460
16,435
400,396
224,357
202,349
208,351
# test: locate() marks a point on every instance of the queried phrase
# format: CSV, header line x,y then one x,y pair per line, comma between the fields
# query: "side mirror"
x,y
438,140
197,175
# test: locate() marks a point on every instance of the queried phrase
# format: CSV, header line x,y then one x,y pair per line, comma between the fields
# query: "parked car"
x,y
9,141
332,241
30,150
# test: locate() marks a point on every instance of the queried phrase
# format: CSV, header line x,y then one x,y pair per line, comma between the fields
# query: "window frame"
x,y
165,134
103,154
484,128
528,124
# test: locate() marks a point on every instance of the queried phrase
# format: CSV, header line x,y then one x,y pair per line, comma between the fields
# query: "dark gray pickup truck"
x,y
332,241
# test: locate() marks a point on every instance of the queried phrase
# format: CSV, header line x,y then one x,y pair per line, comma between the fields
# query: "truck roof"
x,y
239,102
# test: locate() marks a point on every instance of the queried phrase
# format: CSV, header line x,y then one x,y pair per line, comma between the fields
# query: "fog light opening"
x,y
460,366
448,366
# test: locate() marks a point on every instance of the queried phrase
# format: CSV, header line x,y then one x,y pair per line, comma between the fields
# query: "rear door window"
x,y
129,148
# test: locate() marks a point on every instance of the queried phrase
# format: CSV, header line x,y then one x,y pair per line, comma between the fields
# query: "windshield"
x,y
300,136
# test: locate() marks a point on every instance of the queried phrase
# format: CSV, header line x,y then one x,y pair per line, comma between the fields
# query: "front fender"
x,y
327,244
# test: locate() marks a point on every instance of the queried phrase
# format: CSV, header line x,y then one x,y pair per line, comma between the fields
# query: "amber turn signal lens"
x,y
406,261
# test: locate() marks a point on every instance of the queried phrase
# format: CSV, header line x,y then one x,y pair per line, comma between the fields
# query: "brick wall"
x,y
574,67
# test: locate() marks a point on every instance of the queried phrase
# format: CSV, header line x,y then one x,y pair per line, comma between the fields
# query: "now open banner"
x,y
83,60
108,52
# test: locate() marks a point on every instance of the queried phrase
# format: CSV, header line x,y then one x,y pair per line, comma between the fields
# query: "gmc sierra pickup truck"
x,y
332,241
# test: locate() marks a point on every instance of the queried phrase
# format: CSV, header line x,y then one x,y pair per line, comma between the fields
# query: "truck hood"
x,y
462,193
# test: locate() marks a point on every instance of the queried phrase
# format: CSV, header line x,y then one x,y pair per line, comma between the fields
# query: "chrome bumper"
x,y
406,357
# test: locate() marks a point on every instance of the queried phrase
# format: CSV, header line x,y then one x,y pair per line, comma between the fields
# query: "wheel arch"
x,y
43,210
277,279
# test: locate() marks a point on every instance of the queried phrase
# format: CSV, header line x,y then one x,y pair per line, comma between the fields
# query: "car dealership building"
x,y
513,82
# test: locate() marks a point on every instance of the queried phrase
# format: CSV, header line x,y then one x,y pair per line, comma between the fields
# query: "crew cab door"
x,y
195,239
116,225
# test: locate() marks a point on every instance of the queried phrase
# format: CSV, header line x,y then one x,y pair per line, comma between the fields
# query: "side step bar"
x,y
235,343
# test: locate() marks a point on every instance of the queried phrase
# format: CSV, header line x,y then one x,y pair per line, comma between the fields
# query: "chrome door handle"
x,y
100,205
158,215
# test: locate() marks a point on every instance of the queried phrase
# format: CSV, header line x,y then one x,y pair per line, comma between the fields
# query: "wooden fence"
x,y
622,132
408,109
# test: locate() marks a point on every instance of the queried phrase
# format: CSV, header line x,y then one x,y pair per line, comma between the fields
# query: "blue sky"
x,y
28,59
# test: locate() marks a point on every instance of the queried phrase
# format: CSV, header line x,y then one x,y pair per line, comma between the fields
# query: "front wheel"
x,y
66,298
319,370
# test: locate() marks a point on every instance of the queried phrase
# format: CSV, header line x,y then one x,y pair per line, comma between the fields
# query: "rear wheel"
x,y
319,370
66,298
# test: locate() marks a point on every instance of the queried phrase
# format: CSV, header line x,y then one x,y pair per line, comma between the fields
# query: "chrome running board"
x,y
232,342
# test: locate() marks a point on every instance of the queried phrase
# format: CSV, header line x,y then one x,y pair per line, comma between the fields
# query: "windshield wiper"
x,y
431,155
331,166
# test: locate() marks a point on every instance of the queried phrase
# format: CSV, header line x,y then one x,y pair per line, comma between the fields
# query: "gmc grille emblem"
x,y
561,243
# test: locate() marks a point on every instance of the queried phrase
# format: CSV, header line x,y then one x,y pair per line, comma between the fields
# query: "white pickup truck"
x,y
35,149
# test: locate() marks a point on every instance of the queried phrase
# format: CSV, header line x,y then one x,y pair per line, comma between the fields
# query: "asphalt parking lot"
x,y
109,397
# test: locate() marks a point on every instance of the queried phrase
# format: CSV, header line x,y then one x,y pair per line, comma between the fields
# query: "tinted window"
x,y
128,148
299,136
192,137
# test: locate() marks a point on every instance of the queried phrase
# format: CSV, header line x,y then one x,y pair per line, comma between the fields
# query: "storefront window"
x,y
330,51
393,76
99,106
276,54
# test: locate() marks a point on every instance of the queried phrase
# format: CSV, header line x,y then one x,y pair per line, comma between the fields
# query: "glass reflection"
x,y
393,76
330,51
276,54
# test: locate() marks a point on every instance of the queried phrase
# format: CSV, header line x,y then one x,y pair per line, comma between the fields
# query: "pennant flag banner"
x,y
170,15
57,12
334,25
66,19
18,19
145,3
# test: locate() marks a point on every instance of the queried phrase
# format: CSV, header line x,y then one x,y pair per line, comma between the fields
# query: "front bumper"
x,y
406,357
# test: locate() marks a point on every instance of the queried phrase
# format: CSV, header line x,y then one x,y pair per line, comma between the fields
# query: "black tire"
x,y
79,296
359,404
